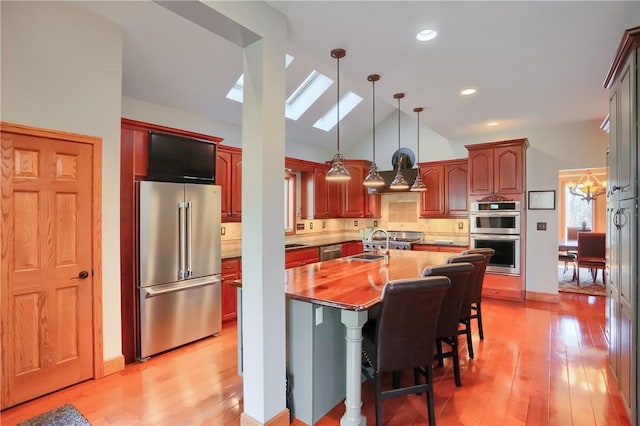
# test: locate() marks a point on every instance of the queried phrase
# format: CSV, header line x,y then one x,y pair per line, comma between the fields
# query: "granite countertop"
x,y
231,252
354,284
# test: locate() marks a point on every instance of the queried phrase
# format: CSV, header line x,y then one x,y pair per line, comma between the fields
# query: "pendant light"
x,y
373,179
337,172
418,185
399,182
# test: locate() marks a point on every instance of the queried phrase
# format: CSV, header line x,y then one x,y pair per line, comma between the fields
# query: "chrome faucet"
x,y
384,251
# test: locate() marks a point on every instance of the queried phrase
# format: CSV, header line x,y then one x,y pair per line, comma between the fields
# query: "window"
x,y
289,203
347,103
577,211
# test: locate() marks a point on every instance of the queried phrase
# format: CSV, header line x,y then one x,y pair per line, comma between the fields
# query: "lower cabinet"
x,y
438,248
230,272
300,257
352,247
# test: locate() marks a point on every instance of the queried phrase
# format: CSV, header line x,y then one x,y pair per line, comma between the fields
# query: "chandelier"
x,y
588,187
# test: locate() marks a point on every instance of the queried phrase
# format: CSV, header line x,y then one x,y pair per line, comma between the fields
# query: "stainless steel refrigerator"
x,y
178,264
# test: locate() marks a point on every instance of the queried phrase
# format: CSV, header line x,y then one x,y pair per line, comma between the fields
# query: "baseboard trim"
x,y
280,419
542,297
113,365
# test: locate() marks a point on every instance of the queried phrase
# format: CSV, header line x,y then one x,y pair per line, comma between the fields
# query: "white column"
x,y
353,321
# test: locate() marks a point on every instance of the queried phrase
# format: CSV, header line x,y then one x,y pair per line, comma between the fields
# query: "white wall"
x,y
61,69
433,147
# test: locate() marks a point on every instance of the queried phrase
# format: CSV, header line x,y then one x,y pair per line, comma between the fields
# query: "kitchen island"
x,y
322,298
327,305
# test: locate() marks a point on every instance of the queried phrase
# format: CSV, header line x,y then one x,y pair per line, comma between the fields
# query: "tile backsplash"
x,y
400,212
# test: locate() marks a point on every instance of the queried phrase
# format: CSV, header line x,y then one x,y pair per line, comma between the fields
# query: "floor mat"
x,y
66,415
587,286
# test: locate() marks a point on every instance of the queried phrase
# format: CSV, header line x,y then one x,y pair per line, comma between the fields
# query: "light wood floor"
x,y
540,364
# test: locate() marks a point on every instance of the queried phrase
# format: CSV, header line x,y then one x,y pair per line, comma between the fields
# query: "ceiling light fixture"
x,y
426,35
492,123
337,172
588,187
373,179
418,185
467,92
399,182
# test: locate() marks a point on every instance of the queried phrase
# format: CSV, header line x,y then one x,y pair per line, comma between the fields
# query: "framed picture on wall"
x,y
542,200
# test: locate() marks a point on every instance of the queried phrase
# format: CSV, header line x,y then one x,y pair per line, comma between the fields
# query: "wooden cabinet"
x,y
300,257
438,248
446,194
230,272
352,247
229,177
623,81
326,195
344,199
497,168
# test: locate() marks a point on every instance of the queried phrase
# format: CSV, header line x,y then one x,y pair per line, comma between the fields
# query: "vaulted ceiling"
x,y
532,63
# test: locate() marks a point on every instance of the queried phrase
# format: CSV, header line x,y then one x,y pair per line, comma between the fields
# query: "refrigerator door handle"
x,y
189,228
151,292
182,255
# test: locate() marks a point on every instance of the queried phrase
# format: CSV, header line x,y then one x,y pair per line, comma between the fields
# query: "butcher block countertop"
x,y
355,284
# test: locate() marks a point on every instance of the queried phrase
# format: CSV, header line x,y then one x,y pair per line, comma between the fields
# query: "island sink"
x,y
366,257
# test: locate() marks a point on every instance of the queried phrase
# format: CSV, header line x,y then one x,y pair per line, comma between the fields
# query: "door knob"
x,y
81,275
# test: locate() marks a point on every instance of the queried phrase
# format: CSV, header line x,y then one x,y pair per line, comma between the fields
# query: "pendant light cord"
x,y
398,127
373,85
338,107
418,150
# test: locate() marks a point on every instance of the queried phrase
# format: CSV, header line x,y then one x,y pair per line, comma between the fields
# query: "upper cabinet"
x,y
622,175
497,169
229,177
446,194
344,199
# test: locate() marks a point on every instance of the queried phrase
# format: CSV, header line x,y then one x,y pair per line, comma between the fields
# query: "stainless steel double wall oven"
x,y
496,225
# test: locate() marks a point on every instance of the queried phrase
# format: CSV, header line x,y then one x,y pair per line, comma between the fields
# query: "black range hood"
x,y
409,175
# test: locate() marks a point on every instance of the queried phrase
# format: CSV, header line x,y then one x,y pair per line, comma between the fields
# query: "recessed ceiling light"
x,y
492,123
467,92
426,35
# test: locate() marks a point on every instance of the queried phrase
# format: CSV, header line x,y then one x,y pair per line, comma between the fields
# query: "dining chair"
x,y
591,253
572,232
448,320
402,337
476,304
479,263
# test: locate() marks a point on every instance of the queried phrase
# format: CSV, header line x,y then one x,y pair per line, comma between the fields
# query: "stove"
x,y
398,240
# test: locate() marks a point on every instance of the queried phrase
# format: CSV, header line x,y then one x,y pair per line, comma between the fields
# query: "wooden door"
x,y
320,209
481,171
432,200
236,186
508,170
354,192
456,198
47,300
223,178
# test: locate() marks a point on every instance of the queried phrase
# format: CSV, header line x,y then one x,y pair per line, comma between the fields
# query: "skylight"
x,y
347,103
235,94
306,94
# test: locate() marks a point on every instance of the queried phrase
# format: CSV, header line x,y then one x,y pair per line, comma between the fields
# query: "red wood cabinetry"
x,y
300,257
134,142
438,248
353,190
230,272
497,168
344,199
326,195
446,194
229,177
352,247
